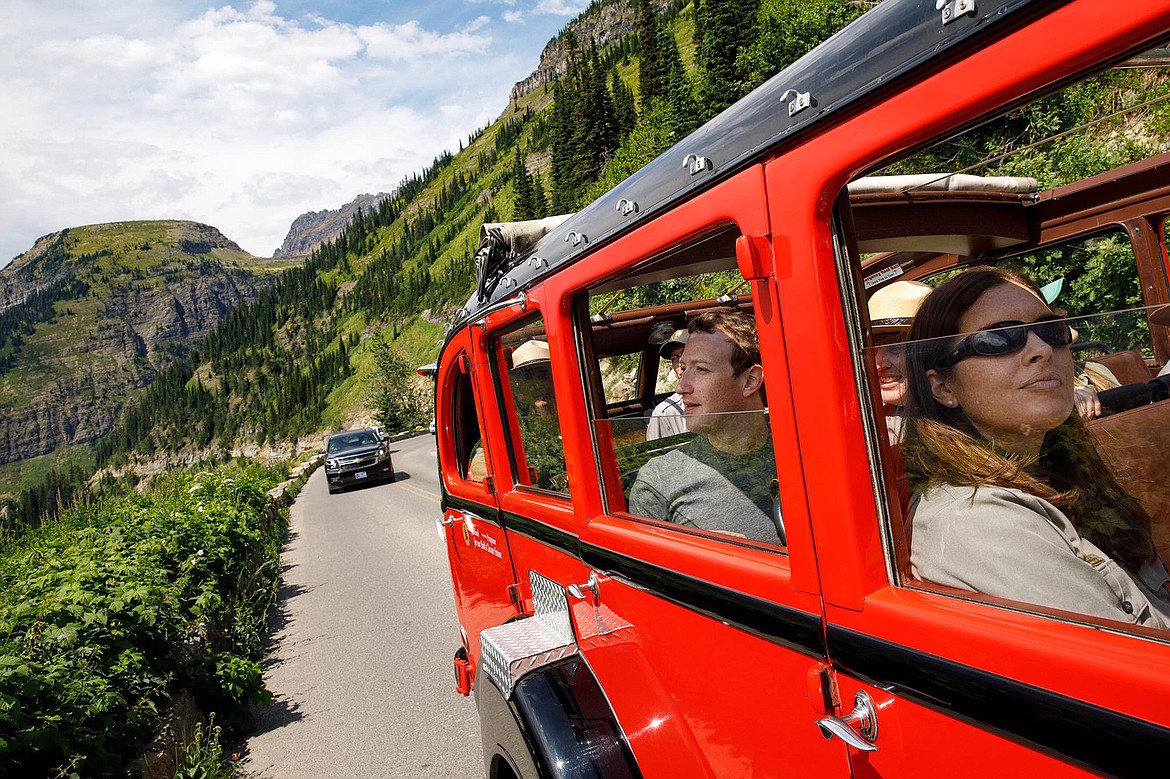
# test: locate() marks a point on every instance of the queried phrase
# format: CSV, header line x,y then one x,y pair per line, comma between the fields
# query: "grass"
x,y
19,476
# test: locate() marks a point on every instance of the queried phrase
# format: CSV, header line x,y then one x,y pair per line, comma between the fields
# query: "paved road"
x,y
363,635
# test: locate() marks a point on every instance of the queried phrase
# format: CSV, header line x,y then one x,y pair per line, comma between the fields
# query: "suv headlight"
x,y
379,455
332,465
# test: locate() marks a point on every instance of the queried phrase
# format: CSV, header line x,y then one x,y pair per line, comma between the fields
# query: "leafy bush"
x,y
107,614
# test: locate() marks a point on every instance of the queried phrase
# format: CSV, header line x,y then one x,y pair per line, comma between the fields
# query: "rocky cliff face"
x,y
600,25
151,291
308,231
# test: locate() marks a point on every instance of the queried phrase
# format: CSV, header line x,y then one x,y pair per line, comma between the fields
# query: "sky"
x,y
242,116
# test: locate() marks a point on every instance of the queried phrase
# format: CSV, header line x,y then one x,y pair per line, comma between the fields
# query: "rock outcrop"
x,y
308,231
600,25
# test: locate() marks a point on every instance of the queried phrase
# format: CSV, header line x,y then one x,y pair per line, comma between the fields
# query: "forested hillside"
x,y
92,313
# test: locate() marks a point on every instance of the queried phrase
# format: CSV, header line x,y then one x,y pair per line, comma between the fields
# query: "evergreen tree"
x,y
680,95
624,114
539,201
650,77
724,29
597,117
399,403
599,113
522,192
561,150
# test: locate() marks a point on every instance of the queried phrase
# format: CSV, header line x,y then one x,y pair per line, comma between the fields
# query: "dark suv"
x,y
355,456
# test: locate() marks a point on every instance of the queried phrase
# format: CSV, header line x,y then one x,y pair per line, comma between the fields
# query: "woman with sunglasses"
x,y
1011,497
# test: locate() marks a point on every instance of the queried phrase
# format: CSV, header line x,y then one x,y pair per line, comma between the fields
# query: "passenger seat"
x,y
1129,366
1136,443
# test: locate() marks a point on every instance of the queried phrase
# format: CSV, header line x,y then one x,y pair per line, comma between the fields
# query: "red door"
x,y
709,647
958,685
477,548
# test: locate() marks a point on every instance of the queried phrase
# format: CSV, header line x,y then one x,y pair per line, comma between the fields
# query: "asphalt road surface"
x,y
362,638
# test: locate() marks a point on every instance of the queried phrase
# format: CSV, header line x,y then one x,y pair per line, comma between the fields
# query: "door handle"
x,y
859,729
592,585
442,524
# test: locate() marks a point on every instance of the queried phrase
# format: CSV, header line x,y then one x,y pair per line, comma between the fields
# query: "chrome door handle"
x,y
592,585
863,718
442,524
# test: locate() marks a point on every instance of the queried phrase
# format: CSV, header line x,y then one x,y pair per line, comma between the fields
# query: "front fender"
x,y
557,724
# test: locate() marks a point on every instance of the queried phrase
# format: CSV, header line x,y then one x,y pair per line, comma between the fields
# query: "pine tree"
x,y
624,114
539,201
522,194
680,95
724,29
601,137
560,148
650,77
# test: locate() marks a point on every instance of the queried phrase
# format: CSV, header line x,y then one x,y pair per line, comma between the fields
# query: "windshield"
x,y
344,441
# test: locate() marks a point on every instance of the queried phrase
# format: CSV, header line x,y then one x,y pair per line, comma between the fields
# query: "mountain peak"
x,y
310,230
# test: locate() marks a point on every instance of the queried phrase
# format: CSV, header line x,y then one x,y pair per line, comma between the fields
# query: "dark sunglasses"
x,y
1007,337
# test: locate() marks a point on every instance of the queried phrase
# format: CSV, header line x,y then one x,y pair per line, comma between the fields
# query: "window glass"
x,y
1093,275
619,375
538,455
693,446
469,450
1010,363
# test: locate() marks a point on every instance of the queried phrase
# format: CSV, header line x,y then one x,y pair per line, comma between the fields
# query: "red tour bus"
x,y
873,542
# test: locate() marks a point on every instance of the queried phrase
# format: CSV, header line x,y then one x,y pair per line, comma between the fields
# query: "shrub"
x,y
107,614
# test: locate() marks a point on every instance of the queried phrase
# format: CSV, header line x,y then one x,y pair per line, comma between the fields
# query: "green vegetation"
x,y
112,611
201,755
398,401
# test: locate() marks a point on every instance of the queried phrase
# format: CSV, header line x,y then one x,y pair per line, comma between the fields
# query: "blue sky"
x,y
242,115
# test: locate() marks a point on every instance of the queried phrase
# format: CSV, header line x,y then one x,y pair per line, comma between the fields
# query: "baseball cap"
x,y
677,338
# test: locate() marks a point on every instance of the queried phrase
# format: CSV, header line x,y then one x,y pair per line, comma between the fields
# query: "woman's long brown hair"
x,y
943,447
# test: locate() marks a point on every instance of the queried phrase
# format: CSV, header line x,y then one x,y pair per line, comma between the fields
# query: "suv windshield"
x,y
344,441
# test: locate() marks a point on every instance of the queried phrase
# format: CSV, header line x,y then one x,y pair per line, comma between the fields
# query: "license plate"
x,y
360,475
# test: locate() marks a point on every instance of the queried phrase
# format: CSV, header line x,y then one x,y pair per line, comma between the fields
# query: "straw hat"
x,y
892,308
529,352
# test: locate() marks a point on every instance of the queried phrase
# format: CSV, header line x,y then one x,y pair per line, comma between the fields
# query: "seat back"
x,y
1129,366
1136,444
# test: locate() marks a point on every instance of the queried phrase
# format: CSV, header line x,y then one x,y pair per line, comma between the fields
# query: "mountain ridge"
x,y
92,313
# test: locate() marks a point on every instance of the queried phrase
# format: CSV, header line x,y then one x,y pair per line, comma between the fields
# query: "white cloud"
x,y
513,17
236,115
561,7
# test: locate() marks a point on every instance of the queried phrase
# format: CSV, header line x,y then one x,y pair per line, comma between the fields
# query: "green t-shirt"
x,y
704,487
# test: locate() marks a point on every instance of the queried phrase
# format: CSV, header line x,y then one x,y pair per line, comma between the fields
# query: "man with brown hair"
x,y
722,479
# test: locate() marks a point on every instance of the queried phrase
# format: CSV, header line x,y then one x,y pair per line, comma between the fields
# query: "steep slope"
x,y
92,313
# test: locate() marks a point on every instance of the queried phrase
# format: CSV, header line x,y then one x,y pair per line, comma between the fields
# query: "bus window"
x,y
469,452
524,369
680,410
1006,283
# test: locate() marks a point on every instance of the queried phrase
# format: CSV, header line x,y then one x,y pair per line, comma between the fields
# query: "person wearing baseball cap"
x,y
891,312
667,418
